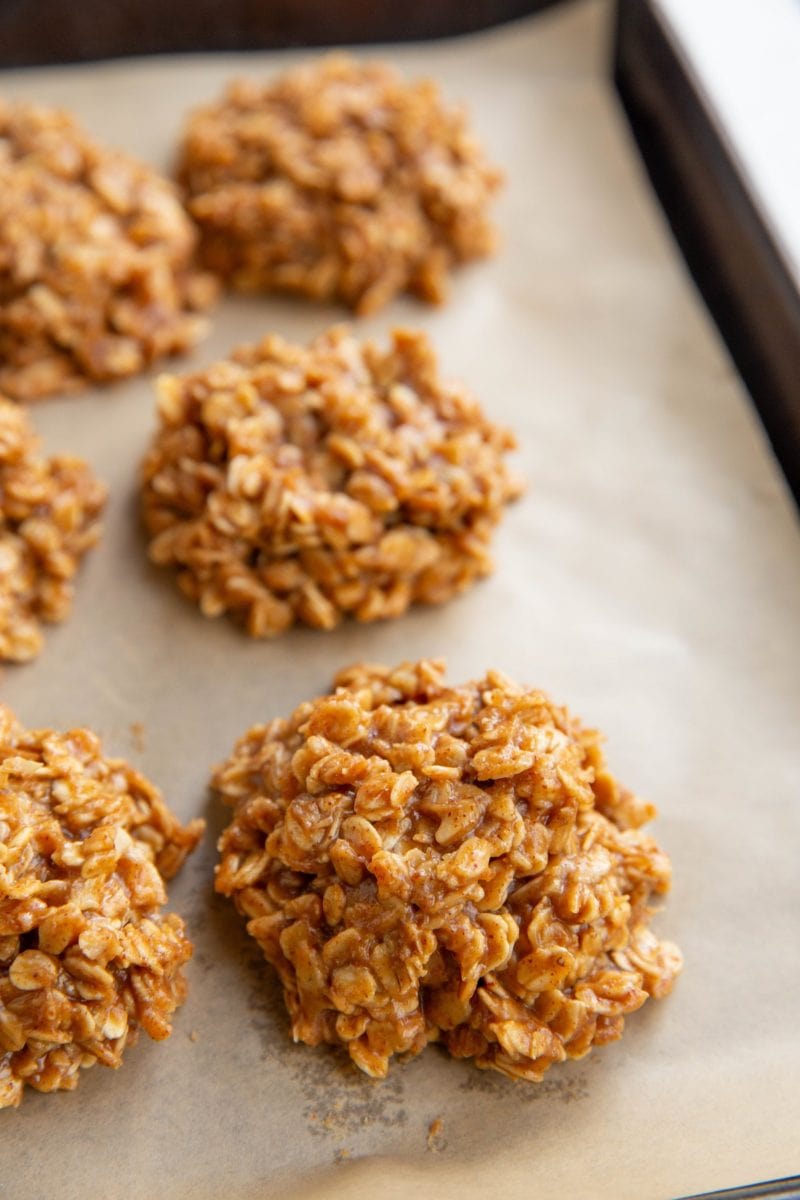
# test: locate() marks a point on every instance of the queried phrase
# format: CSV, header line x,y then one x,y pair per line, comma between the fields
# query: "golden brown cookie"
x,y
296,483
87,957
338,180
96,276
49,517
422,863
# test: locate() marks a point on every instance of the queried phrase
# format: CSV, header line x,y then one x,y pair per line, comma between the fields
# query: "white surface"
x,y
651,580
745,57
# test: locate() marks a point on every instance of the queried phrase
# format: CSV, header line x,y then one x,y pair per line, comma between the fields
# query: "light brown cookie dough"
x,y
49,517
297,483
87,958
96,278
338,180
427,863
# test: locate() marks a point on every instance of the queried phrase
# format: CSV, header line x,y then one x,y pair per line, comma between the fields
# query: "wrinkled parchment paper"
x,y
651,580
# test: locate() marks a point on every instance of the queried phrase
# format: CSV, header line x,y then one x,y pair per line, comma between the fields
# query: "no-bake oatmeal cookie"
x,y
96,275
425,863
49,517
337,180
87,957
296,483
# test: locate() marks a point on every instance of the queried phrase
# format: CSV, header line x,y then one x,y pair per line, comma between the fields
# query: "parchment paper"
x,y
650,580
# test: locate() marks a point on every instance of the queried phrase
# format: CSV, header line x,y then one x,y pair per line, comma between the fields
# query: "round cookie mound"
x,y
301,483
427,863
49,518
87,958
337,180
95,259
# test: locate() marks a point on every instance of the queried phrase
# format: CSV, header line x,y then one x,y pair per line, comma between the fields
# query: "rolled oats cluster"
x,y
450,864
337,180
87,958
96,278
49,517
298,483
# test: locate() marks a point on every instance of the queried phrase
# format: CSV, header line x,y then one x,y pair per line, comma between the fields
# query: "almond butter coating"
x,y
424,863
87,957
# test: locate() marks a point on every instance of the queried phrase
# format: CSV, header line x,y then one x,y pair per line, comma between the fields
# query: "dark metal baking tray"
x,y
722,233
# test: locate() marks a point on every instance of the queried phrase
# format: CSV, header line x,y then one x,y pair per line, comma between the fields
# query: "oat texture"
x,y
49,518
424,863
87,958
95,259
300,483
337,180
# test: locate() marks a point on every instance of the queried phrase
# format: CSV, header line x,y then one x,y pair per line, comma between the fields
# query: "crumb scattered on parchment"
x,y
341,1155
137,735
436,1140
566,1089
194,1036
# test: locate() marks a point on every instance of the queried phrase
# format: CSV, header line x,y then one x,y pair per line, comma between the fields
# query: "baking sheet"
x,y
650,580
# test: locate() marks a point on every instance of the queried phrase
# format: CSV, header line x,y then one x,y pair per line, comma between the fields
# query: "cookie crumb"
x,y
136,729
436,1140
